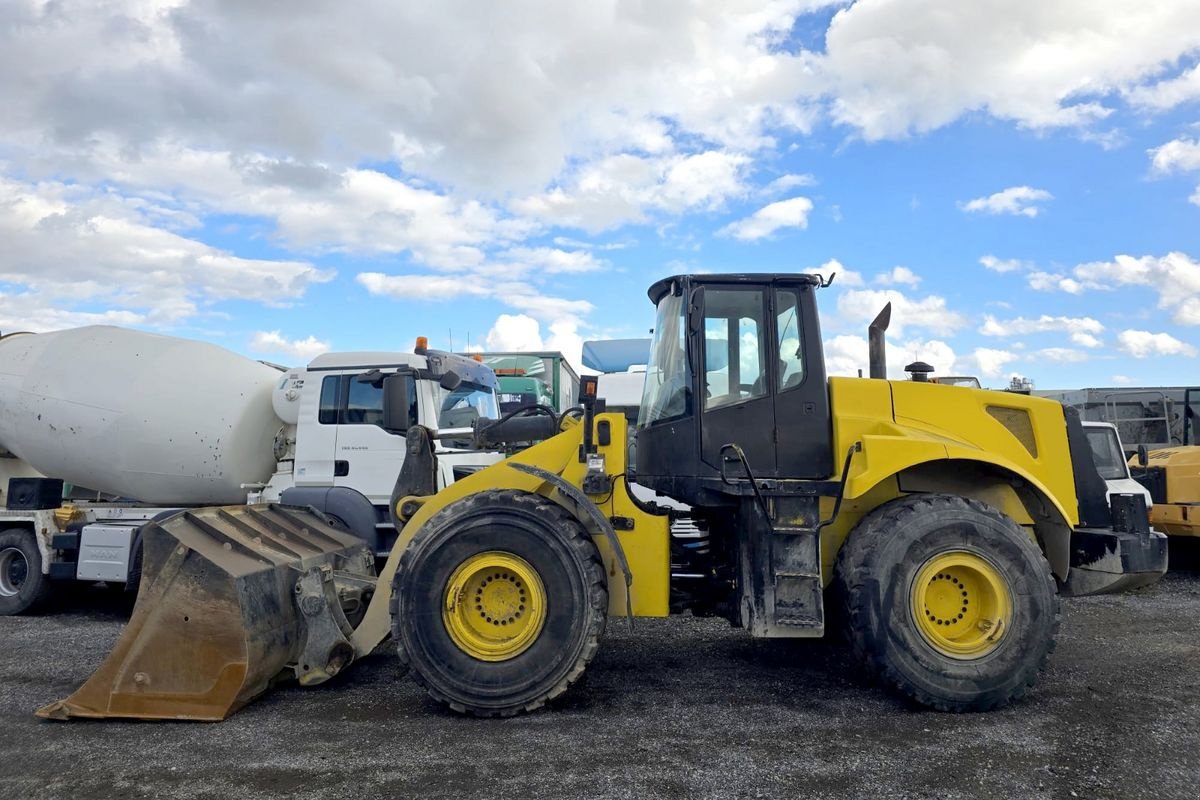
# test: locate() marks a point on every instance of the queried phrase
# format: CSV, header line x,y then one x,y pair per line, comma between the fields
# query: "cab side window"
x,y
734,346
791,349
347,401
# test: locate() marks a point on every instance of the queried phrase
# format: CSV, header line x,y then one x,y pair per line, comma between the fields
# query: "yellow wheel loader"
x,y
936,524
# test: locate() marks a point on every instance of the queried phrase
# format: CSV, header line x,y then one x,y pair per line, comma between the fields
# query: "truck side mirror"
x,y
396,403
1142,456
450,380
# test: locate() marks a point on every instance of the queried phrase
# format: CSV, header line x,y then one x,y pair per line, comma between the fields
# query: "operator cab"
x,y
735,359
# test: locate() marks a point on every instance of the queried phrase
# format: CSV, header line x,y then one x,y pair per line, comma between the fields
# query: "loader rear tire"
x,y
947,601
512,547
23,587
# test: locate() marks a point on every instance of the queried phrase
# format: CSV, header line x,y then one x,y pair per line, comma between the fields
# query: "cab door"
x,y
736,379
367,458
316,431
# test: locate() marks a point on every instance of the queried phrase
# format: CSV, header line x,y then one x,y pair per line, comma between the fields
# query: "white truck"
x,y
164,423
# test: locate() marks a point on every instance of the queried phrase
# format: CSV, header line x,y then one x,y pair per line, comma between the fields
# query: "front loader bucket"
x,y
231,599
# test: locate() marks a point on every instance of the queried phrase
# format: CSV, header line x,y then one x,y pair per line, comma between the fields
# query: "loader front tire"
x,y
23,587
947,601
499,603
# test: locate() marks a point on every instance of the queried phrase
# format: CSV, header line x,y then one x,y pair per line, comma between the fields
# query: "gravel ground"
x,y
678,708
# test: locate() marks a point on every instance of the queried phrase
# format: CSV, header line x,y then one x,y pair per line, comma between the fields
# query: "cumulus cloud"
x,y
1143,344
792,213
1178,155
859,306
629,188
1003,265
520,332
898,276
303,350
1168,93
908,66
1021,326
1017,200
989,362
66,244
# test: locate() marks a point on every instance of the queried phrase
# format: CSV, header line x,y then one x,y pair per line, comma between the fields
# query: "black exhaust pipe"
x,y
878,347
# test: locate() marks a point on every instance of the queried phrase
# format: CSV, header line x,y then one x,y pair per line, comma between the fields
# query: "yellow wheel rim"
x,y
495,606
962,604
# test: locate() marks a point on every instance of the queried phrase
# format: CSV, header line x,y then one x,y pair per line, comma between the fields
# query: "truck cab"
x,y
1109,455
339,458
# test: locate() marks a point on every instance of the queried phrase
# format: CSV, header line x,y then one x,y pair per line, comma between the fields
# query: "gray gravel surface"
x,y
678,708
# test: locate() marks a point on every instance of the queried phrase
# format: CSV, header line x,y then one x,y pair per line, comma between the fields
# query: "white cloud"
x,y
898,275
934,352
523,333
792,213
1049,281
67,245
1062,355
897,67
1003,265
1018,200
1178,155
1175,276
1085,340
1123,380
1141,344
1020,326
989,362
846,355
1169,93
785,183
859,306
628,188
303,350
845,276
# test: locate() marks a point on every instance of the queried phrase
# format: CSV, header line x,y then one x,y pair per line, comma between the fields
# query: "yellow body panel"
x,y
923,445
646,545
1180,514
1182,465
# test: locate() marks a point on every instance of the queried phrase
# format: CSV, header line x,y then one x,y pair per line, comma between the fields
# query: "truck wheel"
x,y
499,603
23,587
947,601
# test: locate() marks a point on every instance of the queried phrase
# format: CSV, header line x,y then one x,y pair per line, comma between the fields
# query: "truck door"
x,y
736,397
316,431
367,458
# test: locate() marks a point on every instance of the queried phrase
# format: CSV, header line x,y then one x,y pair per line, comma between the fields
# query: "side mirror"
x,y
396,403
1142,456
450,380
374,378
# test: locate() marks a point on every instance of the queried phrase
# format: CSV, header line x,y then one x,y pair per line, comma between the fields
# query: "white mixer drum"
x,y
151,418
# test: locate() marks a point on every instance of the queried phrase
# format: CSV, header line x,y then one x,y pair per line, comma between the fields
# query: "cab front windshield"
x,y
1106,452
665,392
460,407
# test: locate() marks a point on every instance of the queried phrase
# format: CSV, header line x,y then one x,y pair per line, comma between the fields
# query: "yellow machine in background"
x,y
941,521
1172,476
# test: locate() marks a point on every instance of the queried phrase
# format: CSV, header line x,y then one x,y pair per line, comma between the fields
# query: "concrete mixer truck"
x,y
163,423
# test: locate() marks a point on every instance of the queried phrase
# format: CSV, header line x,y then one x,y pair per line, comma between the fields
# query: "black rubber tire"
x,y
872,585
34,590
565,558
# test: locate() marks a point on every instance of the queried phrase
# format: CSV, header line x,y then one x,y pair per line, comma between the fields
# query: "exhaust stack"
x,y
875,338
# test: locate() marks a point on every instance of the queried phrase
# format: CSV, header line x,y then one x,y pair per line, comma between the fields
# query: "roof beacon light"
x,y
422,345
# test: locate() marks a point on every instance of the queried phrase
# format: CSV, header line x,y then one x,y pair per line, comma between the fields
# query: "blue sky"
x,y
1022,181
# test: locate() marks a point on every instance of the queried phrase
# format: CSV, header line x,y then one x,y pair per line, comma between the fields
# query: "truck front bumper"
x,y
1104,560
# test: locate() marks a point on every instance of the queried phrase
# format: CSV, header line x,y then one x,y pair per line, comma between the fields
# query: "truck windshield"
x,y
1106,452
465,404
665,391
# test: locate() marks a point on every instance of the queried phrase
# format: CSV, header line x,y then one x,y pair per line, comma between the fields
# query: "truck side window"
x,y
787,328
328,412
364,404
